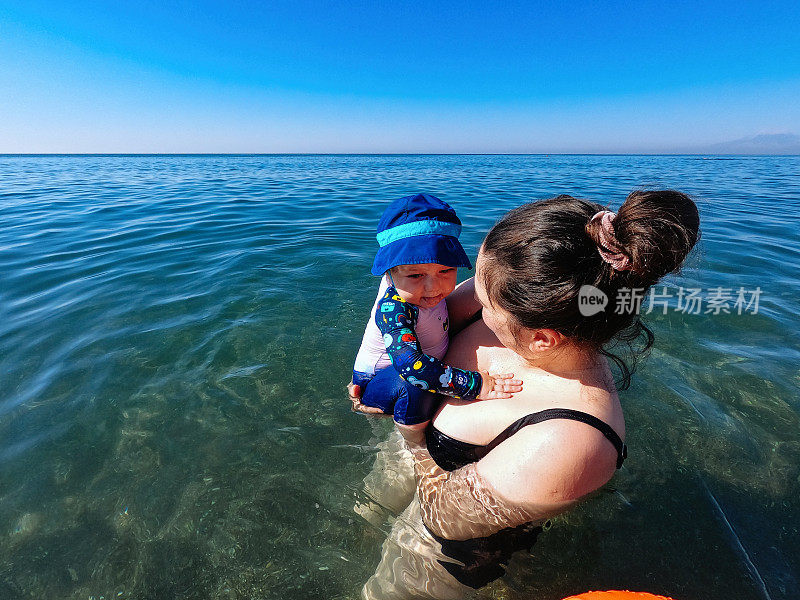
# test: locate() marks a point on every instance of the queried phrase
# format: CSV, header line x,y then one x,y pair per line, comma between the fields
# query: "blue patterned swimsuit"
x,y
408,390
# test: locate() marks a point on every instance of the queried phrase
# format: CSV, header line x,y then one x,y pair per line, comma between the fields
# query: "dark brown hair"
x,y
538,256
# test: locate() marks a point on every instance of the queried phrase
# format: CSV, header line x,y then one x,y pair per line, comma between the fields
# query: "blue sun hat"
x,y
416,230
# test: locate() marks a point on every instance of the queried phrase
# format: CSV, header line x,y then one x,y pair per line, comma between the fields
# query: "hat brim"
x,y
423,249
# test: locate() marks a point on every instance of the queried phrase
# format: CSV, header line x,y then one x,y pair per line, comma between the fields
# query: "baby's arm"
x,y
396,320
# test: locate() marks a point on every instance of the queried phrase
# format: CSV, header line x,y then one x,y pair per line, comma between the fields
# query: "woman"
x,y
489,473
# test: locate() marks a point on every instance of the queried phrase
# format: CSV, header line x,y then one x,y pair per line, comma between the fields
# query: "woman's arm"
x,y
462,306
461,505
532,476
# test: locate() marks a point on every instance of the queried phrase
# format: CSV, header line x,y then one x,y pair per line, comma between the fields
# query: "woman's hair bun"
x,y
657,229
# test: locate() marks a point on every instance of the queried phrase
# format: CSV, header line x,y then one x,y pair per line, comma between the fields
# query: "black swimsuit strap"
x,y
563,413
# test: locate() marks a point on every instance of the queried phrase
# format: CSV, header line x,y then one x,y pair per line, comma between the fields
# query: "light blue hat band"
x,y
415,228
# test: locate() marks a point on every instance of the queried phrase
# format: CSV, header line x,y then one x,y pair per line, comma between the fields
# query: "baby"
x,y
398,369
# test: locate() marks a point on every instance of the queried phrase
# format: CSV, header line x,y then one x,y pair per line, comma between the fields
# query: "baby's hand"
x,y
499,385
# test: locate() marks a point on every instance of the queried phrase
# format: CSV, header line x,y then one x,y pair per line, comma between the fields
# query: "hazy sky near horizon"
x,y
379,76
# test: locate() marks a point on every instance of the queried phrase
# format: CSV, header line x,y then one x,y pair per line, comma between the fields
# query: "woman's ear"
x,y
542,340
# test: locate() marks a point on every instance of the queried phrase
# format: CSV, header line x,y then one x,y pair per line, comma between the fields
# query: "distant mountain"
x,y
774,143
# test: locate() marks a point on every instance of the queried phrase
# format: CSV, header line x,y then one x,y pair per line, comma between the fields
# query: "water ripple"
x,y
176,332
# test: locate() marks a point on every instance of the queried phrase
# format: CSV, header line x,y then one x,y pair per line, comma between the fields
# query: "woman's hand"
x,y
499,385
354,391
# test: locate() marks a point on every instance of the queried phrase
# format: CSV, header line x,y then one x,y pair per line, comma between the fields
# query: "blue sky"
x,y
377,76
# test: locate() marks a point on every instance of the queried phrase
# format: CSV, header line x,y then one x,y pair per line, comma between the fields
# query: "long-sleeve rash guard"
x,y
397,320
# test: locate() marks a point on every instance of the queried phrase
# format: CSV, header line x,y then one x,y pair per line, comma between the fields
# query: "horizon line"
x,y
34,154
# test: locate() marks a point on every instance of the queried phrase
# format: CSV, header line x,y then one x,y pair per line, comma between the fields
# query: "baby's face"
x,y
424,285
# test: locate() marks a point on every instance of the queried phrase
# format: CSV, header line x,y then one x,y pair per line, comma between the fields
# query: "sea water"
x,y
176,333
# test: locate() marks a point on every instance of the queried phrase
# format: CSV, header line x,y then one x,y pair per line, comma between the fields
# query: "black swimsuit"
x,y
484,558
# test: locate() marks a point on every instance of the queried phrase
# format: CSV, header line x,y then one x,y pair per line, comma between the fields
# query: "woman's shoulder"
x,y
562,455
555,462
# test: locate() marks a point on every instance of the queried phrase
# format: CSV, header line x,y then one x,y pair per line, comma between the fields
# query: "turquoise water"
x,y
176,333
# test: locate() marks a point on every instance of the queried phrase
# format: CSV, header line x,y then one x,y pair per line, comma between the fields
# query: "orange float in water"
x,y
617,595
